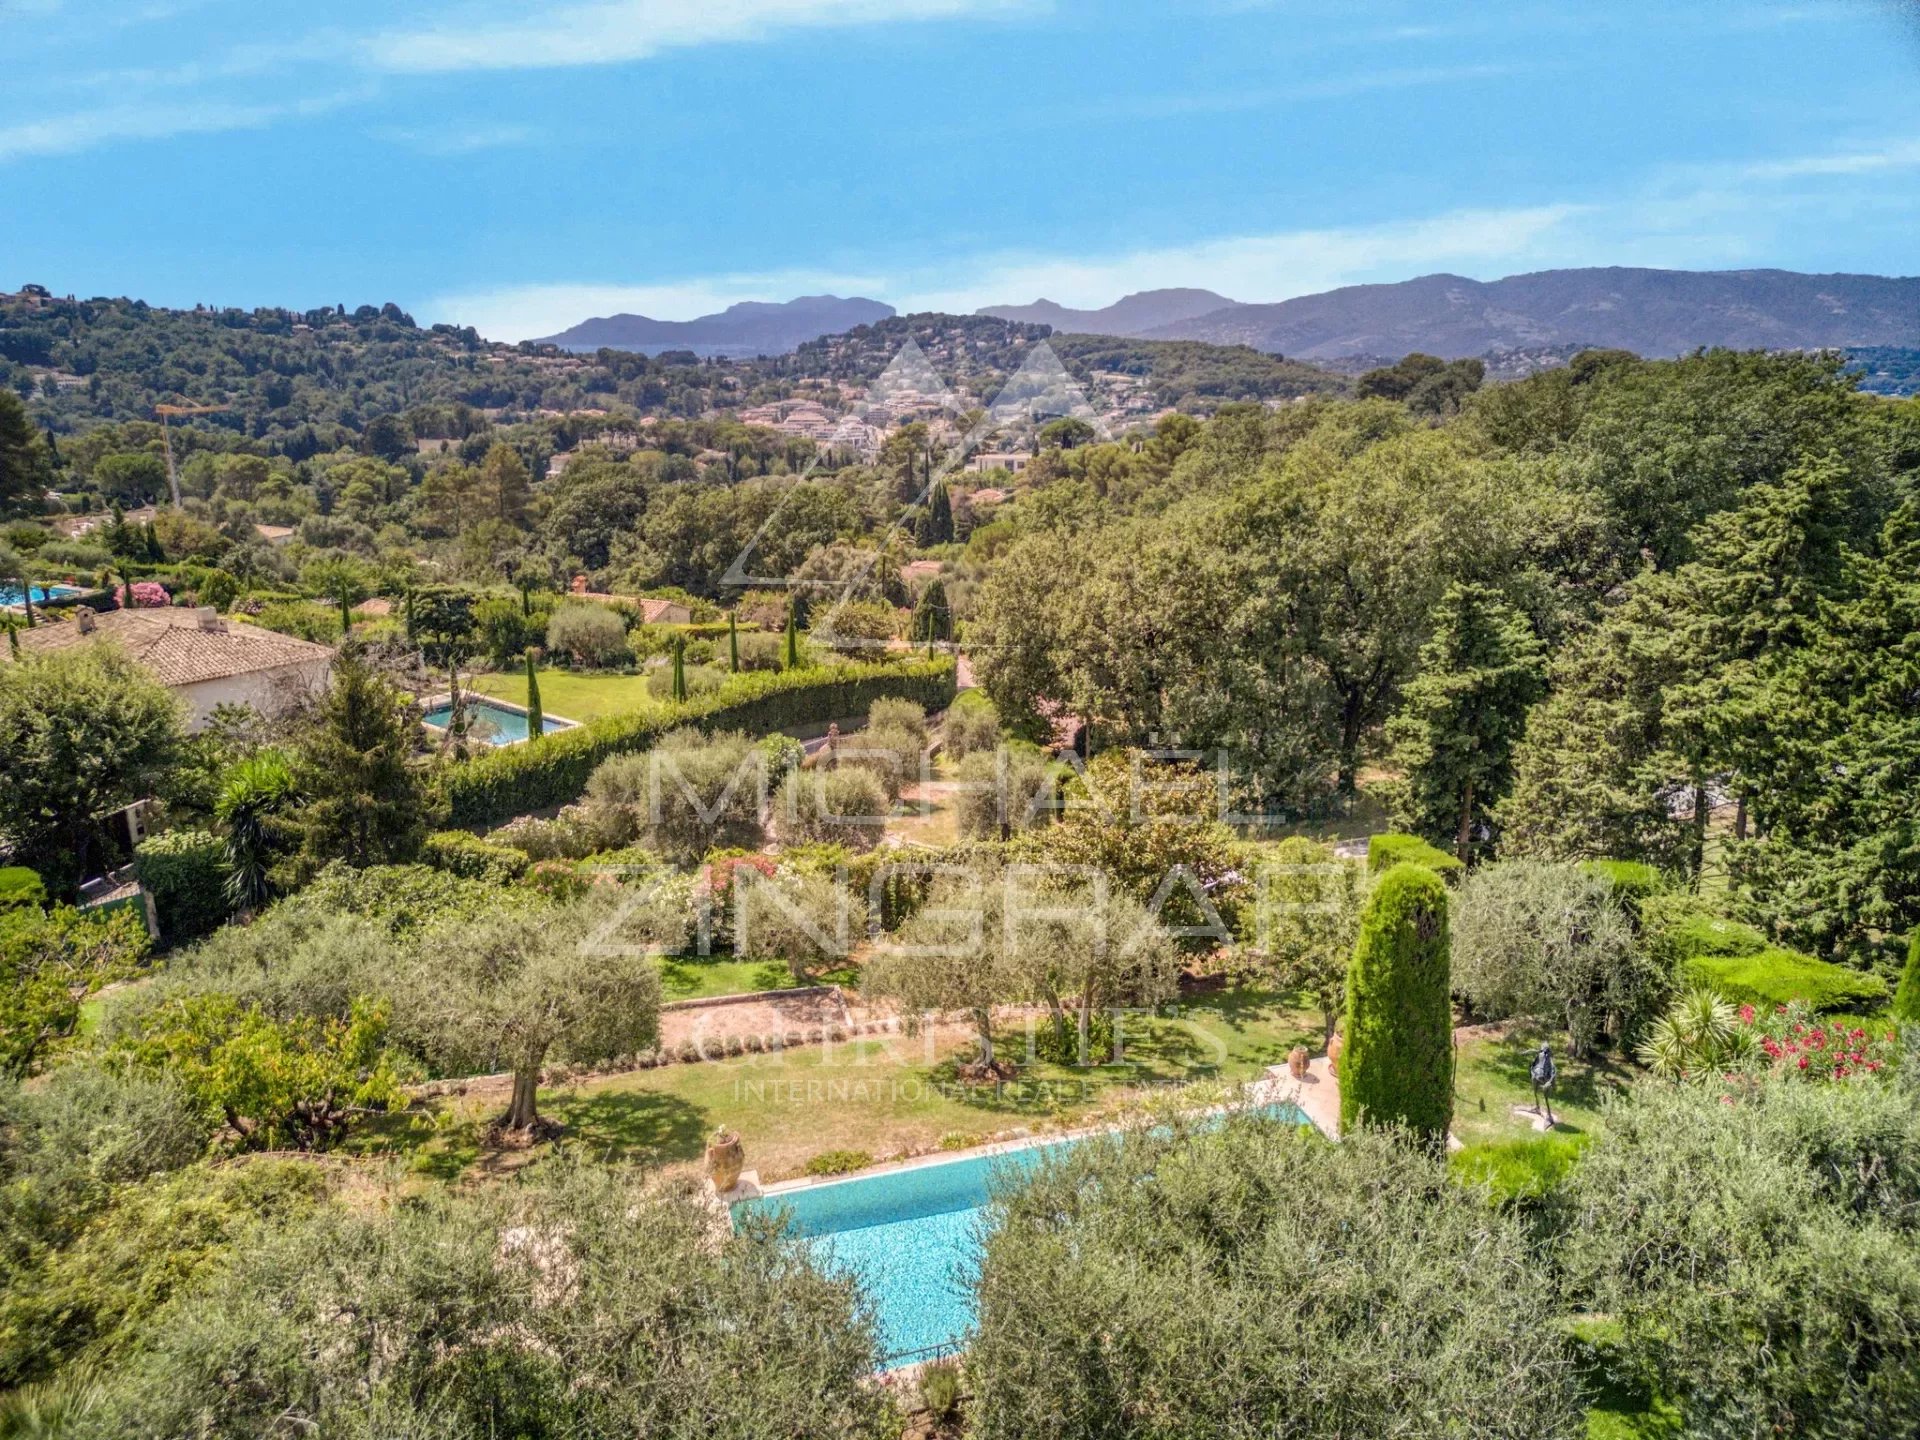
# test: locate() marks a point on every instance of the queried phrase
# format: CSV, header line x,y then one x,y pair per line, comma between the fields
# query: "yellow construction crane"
x,y
163,411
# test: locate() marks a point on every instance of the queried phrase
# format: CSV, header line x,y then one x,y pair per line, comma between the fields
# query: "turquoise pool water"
x,y
912,1237
492,724
10,594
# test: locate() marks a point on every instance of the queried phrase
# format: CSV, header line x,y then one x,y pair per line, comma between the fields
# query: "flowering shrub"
x,y
1796,1042
147,595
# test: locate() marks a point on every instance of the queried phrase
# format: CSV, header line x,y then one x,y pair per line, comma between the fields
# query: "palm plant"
x,y
249,808
1700,1035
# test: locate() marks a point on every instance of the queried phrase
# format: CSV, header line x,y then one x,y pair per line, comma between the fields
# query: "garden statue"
x,y
833,745
1543,1077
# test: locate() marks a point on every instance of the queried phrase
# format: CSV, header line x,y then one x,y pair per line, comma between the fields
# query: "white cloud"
x,y
603,32
1898,155
1260,267
448,141
84,129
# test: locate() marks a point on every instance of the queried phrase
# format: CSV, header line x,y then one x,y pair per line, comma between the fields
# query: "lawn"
x,y
882,1095
695,977
1492,1078
569,695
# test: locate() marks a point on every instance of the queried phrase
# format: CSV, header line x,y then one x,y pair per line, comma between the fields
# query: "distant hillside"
x,y
1136,314
1651,312
751,328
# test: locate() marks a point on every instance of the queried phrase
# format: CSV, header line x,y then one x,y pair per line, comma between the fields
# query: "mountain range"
x,y
1651,312
753,327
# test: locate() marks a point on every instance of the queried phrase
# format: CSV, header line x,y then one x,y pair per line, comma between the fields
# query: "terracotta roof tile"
x,y
171,643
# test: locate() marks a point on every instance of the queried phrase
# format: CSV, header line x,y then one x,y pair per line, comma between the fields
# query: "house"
x,y
274,534
665,612
201,657
72,527
1011,461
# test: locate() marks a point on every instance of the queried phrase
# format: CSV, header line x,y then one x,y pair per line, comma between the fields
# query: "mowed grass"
x,y
884,1095
572,696
695,977
1493,1076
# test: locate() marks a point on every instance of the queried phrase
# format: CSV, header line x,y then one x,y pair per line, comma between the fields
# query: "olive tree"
x,y
1758,1258
1538,938
586,1304
955,956
1114,1264
802,918
689,794
1306,920
513,991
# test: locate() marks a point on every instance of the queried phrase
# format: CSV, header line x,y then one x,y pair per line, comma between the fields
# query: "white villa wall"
x,y
271,692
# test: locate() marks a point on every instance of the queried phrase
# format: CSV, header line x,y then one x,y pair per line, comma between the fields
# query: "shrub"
x,y
805,920
1630,882
1397,1068
1387,850
1420,1313
558,881
506,631
463,854
20,886
892,713
781,755
1779,977
838,1162
701,680
1535,937
940,1390
1011,786
1906,999
591,634
1060,1045
972,725
185,871
302,619
517,779
690,794
891,752
404,899
1678,928
853,623
573,834
848,806
1757,1257
761,652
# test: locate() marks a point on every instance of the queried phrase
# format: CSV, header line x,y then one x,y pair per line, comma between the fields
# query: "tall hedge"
x,y
517,779
185,871
1906,999
1397,1068
1386,850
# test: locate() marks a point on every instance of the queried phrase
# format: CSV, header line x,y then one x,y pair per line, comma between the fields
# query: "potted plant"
x,y
725,1159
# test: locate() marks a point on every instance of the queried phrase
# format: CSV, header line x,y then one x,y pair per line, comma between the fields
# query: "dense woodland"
x,y
1619,663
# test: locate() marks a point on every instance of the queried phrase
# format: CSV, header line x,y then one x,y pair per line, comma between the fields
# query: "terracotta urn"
x,y
1334,1047
725,1160
1297,1062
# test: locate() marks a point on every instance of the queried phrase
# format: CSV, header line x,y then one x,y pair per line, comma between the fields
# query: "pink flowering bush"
x,y
147,595
1793,1041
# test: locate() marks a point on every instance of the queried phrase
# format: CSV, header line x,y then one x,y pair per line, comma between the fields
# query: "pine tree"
x,y
1397,1067
1454,737
366,803
536,717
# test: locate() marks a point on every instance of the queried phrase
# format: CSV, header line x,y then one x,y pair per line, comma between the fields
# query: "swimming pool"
x,y
912,1238
493,722
10,594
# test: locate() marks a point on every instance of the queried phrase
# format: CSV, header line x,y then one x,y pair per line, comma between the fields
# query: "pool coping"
x,y
1269,1090
438,698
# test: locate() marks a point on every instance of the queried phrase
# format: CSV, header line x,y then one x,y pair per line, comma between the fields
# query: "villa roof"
x,y
178,645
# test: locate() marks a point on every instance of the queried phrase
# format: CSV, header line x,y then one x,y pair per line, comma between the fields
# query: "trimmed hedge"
x,y
519,779
459,853
20,886
1631,882
1906,1000
1386,851
1397,1068
185,871
1778,977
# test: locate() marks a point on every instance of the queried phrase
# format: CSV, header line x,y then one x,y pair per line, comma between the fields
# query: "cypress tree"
x,y
1397,1068
1906,999
733,642
536,717
126,592
679,667
793,639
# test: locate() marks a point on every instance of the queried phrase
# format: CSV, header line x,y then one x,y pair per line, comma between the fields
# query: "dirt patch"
x,y
776,1015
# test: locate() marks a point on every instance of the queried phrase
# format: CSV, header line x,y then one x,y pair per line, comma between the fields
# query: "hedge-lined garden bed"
x,y
519,779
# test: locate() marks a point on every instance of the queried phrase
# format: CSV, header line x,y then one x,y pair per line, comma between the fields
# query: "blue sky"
x,y
522,166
